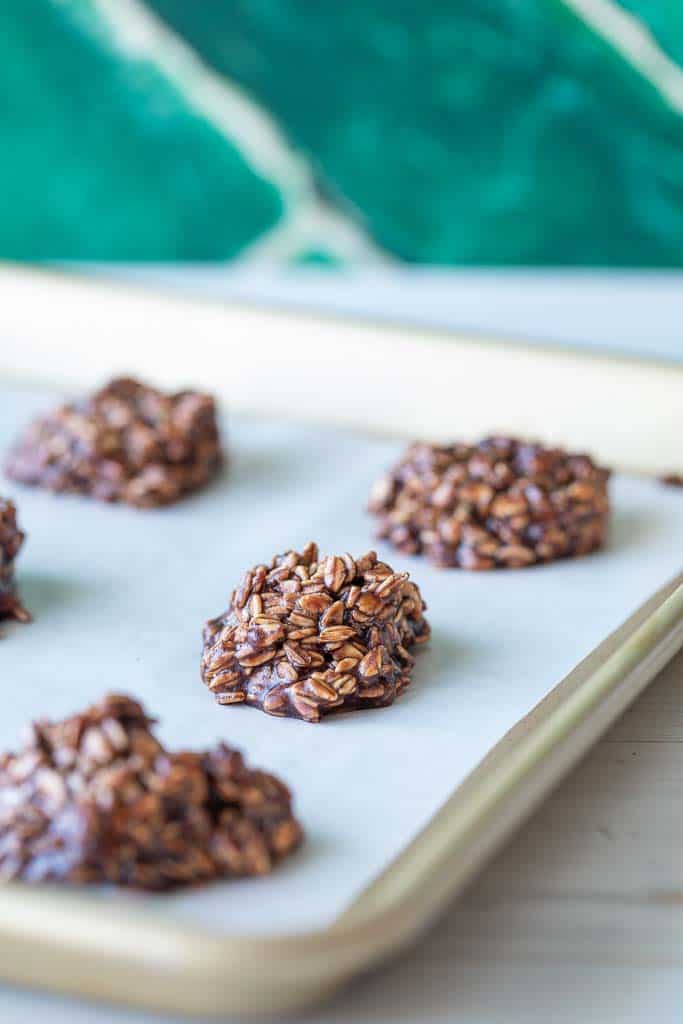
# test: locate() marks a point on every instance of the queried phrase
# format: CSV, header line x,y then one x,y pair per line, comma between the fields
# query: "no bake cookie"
x,y
304,636
128,442
502,503
97,798
11,539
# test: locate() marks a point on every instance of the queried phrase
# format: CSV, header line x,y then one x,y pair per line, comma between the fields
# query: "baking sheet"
x,y
119,598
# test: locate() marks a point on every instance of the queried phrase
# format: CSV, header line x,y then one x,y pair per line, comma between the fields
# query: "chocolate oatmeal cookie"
x,y
304,636
11,539
502,503
127,442
96,798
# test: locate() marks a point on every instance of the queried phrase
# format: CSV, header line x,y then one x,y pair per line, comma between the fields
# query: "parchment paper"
x,y
119,598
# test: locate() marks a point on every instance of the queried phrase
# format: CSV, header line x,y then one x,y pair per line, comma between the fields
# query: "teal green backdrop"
x,y
458,132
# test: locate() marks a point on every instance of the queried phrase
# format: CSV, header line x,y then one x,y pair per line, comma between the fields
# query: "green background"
x,y
457,132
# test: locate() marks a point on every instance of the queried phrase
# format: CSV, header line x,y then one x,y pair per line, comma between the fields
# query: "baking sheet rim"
x,y
61,940
72,332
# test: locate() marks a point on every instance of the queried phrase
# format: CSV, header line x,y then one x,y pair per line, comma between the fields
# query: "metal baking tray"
x,y
402,805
